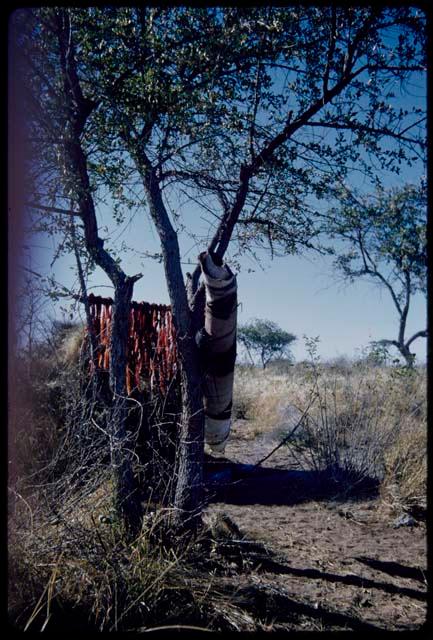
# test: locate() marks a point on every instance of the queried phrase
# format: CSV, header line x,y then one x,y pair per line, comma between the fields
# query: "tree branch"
x,y
79,110
35,205
172,153
221,239
331,50
418,334
385,341
254,114
199,178
168,237
224,232
376,273
364,128
405,311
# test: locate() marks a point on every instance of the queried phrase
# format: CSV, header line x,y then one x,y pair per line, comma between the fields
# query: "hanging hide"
x,y
217,344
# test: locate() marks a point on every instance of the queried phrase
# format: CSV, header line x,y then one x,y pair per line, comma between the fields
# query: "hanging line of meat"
x,y
152,352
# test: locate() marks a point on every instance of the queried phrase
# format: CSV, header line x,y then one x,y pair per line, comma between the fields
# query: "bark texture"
x,y
188,499
127,493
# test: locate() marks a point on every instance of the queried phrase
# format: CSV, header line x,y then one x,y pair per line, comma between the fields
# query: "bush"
x,y
76,572
362,423
405,481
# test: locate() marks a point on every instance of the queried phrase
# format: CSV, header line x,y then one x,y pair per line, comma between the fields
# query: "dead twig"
x,y
288,437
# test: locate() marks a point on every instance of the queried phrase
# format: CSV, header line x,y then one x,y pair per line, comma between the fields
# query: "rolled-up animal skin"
x,y
217,344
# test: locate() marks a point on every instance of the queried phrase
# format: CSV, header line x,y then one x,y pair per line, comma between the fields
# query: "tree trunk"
x,y
188,500
189,485
407,355
127,496
74,109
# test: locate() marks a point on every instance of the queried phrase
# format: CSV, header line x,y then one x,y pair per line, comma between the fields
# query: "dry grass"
x,y
365,421
70,566
76,572
405,483
76,568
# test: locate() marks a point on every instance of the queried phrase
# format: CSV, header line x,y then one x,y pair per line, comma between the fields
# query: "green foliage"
x,y
384,231
203,91
378,354
265,340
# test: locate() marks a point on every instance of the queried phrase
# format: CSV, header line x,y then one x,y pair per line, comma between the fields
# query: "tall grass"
x,y
361,421
70,567
76,571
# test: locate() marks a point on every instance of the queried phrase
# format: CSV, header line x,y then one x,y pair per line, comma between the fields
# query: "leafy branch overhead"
x,y
247,113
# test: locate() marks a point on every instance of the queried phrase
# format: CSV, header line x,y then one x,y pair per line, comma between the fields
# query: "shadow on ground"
x,y
394,569
267,599
243,484
272,606
271,566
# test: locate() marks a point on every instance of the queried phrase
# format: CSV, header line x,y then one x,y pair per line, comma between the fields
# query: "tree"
x,y
70,110
265,339
385,236
247,112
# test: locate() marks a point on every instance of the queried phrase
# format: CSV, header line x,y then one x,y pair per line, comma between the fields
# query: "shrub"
x,y
363,423
405,481
76,571
358,420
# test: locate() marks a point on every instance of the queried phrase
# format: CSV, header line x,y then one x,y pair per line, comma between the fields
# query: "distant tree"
x,y
265,340
385,240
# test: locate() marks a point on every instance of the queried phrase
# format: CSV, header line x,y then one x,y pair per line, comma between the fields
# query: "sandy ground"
x,y
335,562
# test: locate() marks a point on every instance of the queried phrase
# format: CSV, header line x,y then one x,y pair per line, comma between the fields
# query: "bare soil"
x,y
324,558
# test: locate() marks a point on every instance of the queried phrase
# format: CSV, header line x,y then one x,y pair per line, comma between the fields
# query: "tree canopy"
x,y
246,113
384,238
265,340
